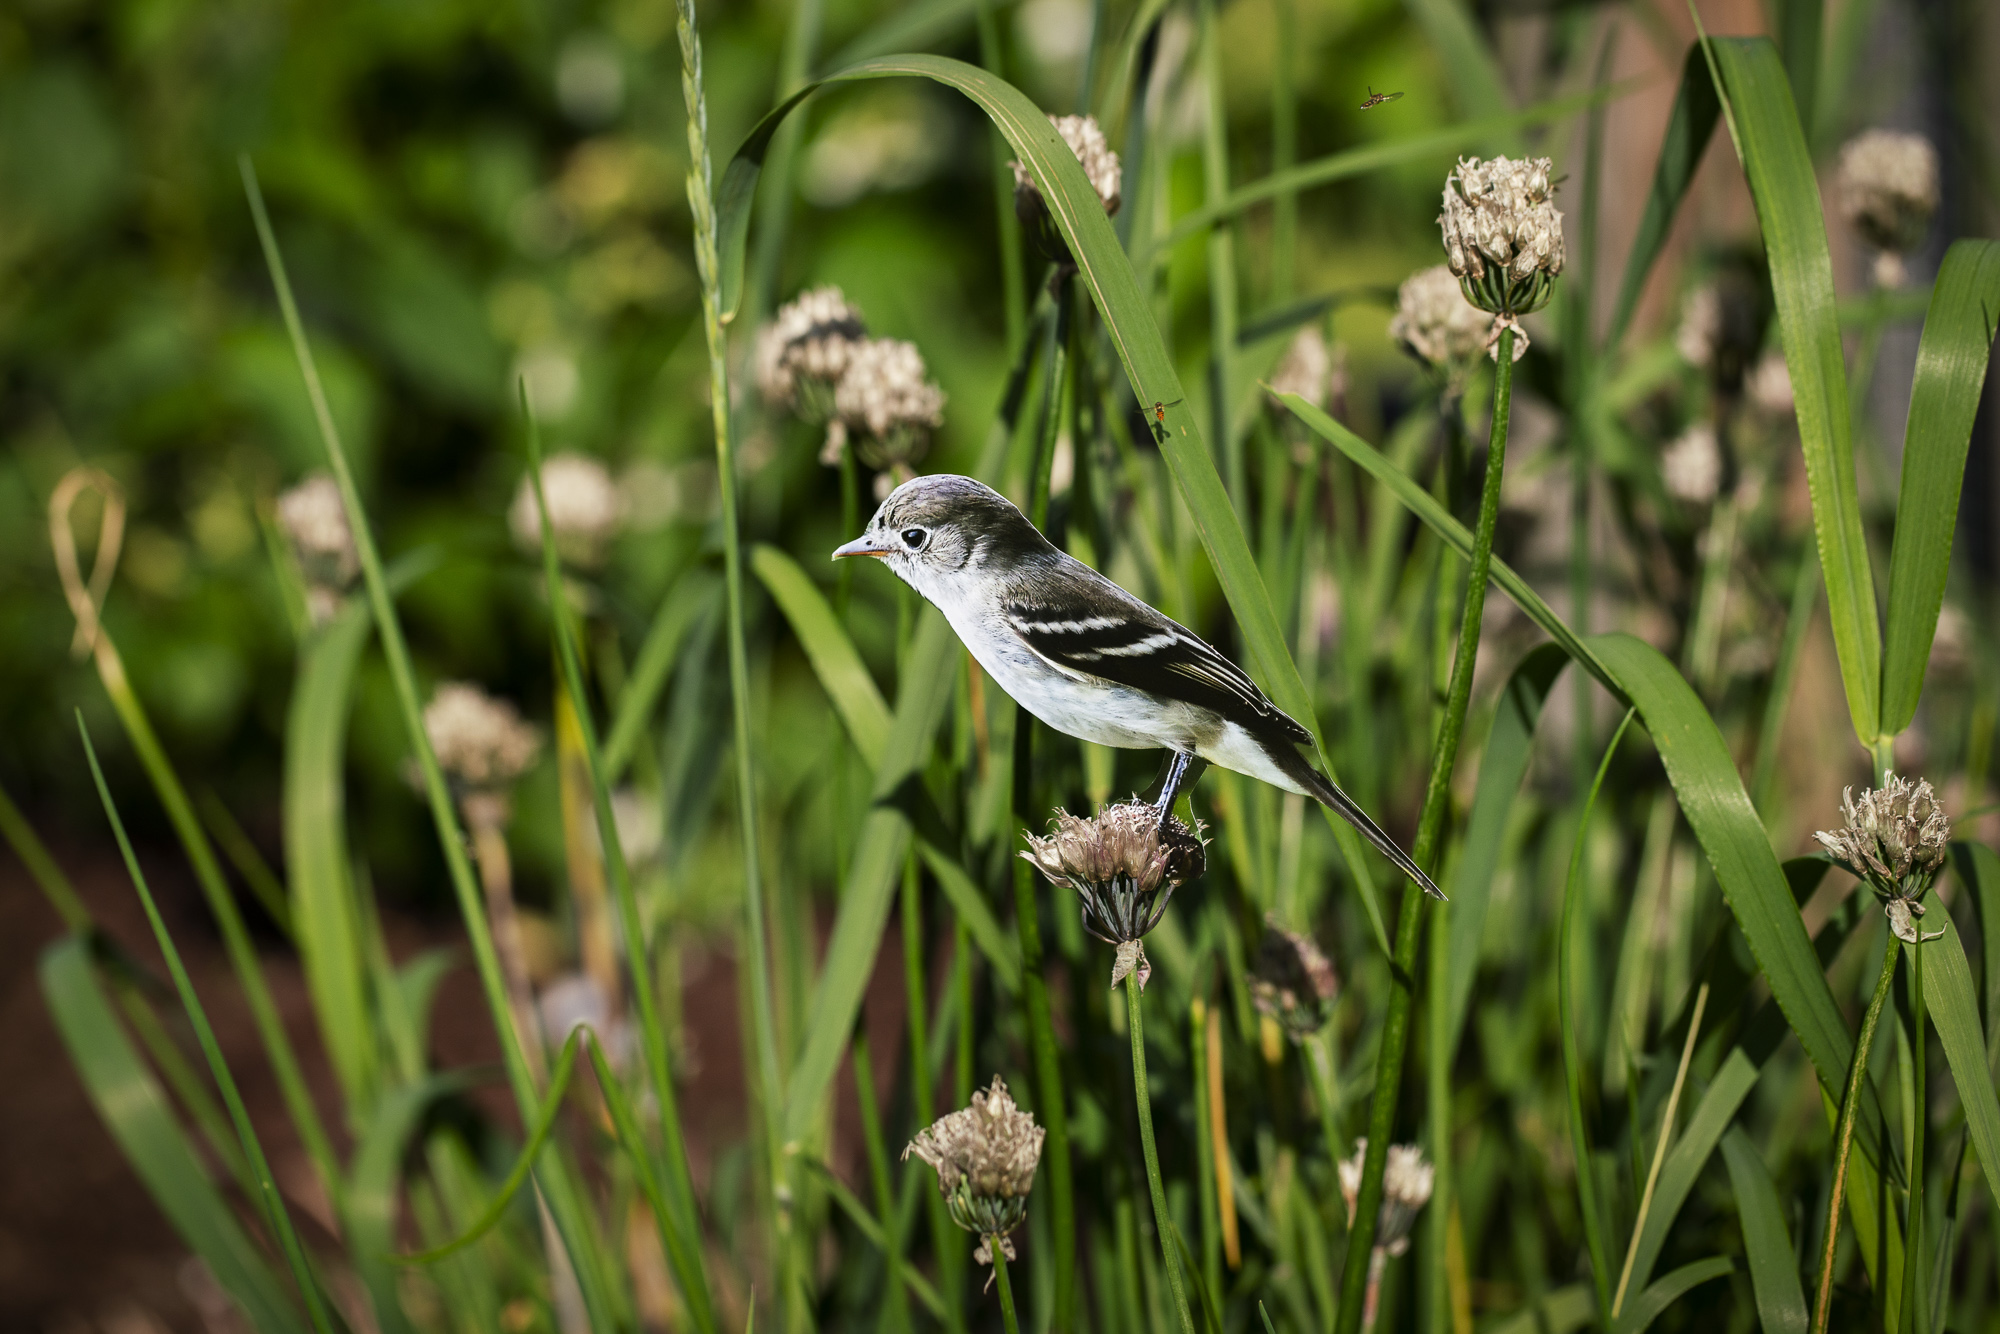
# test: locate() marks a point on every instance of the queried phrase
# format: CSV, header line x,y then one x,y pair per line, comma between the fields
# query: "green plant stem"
x,y
1843,1137
1437,795
895,1309
1916,1315
1163,1225
1007,1317
1013,279
917,1006
34,855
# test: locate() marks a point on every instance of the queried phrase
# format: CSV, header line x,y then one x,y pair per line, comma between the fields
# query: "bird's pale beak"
x,y
863,545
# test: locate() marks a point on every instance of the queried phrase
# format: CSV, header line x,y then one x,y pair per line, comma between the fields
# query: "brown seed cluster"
x,y
985,1156
1895,838
1293,982
1124,865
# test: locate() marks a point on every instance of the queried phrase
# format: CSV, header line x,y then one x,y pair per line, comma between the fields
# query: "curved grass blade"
x,y
834,660
1596,1227
1774,1265
1952,357
271,1205
1689,129
1979,868
1001,950
680,1233
1651,1304
1953,1007
316,852
371,1188
680,611
1779,167
135,1111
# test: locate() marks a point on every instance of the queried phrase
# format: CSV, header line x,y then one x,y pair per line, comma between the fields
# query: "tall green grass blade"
x,y
372,1183
1785,190
1979,868
249,863
316,851
135,1111
683,607
1774,1265
1502,765
42,867
1706,1125
524,1164
865,1223
1651,1304
1000,949
1953,1007
1689,128
834,660
1571,1002
270,1204
1952,356
678,1225
1471,72
1800,24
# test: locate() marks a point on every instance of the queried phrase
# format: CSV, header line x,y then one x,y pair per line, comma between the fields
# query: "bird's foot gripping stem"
x,y
1178,773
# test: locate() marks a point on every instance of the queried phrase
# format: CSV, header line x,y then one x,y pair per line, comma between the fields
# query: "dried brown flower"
x,y
804,350
985,1156
1292,981
1895,838
1125,865
1503,233
1406,1187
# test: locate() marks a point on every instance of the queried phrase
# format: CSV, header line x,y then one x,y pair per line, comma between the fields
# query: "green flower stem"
x,y
1843,1137
917,1005
1007,1316
1437,795
1163,1225
1916,1292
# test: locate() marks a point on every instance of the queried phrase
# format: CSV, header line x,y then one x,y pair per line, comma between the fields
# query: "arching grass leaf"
x,y
1774,1266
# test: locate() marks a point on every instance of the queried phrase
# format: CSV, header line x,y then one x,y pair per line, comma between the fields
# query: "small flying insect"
x,y
1376,99
1159,422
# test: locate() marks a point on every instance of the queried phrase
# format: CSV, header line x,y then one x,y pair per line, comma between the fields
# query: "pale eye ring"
x,y
914,538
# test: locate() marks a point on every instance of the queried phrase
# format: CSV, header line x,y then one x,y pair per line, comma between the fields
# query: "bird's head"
x,y
934,530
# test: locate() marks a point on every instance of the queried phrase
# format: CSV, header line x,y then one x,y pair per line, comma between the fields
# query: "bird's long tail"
x,y
1299,770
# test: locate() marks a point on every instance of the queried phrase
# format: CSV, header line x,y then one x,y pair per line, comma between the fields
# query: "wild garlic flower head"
x,y
1503,233
481,742
985,1156
885,405
1438,326
315,522
1407,1181
1691,467
1125,865
1895,838
585,510
1100,164
804,350
1292,981
1888,191
1306,369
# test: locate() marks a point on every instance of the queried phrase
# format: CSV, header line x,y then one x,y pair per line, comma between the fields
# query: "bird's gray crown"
x,y
981,517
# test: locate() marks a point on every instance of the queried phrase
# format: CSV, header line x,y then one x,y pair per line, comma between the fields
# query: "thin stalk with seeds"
x,y
1843,1135
1163,1224
1430,826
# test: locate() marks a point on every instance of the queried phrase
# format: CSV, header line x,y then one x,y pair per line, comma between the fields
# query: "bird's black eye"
x,y
913,538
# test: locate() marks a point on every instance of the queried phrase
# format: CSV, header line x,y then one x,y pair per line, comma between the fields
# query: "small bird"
x,y
1085,656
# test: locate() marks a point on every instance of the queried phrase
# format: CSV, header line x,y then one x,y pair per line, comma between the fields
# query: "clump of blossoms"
x,y
1406,1187
585,510
1504,236
1888,191
985,1156
1439,327
1293,982
1124,865
1691,467
804,350
1100,164
1306,369
1895,839
315,523
481,743
885,406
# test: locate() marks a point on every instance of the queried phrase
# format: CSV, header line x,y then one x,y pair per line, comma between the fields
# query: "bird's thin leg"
x,y
1180,770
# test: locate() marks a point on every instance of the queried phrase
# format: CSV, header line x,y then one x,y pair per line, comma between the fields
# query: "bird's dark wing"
x,y
1122,640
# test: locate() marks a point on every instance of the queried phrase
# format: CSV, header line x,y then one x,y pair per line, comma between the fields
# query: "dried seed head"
x,y
985,1156
1438,326
1691,467
1100,164
1124,865
1292,981
1503,233
804,350
1889,189
481,742
1306,369
885,405
1895,838
315,522
584,509
1406,1187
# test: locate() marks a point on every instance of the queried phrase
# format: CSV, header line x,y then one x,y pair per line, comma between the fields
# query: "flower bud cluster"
x,y
804,350
315,523
481,743
1888,192
1438,326
985,1156
885,404
1406,1187
585,510
1293,982
1503,233
1895,838
1124,865
1307,369
1100,164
